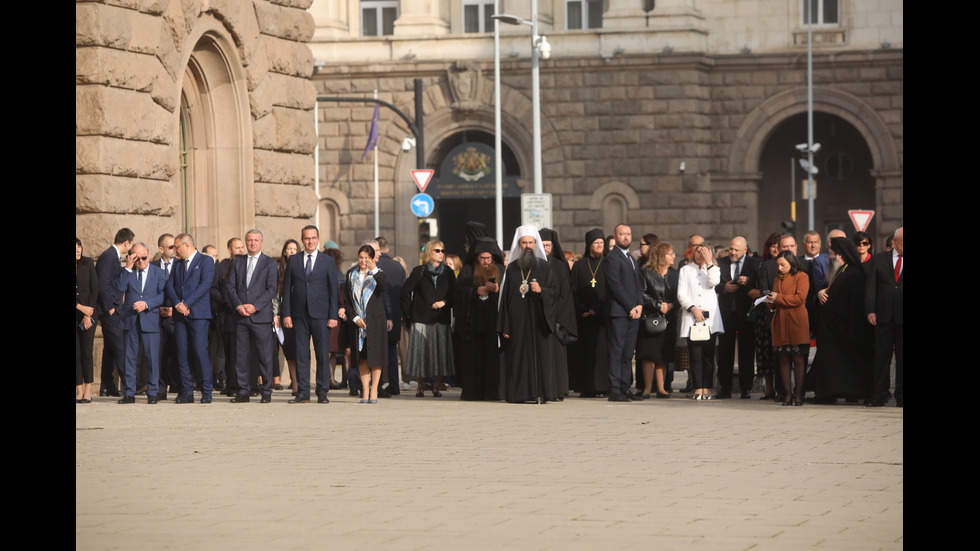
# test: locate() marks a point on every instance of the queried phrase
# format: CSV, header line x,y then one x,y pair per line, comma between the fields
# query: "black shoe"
x,y
722,396
322,400
769,396
278,386
206,399
266,399
126,400
436,394
353,393
382,393
659,395
587,395
395,392
746,395
218,386
241,398
300,400
633,397
870,404
152,399
185,399
617,397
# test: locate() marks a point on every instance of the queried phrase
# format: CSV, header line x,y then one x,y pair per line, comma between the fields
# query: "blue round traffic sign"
x,y
422,205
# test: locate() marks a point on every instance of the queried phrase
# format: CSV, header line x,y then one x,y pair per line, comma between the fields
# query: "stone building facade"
x,y
715,86
193,116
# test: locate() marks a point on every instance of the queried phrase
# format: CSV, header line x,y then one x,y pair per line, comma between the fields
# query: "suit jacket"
x,y
192,286
315,297
395,276
261,291
623,287
107,269
883,296
740,298
155,280
818,269
86,287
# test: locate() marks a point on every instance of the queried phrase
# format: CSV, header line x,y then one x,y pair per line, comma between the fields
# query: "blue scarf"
x,y
362,289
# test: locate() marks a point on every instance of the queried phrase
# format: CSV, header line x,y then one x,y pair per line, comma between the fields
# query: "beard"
x,y
832,268
527,259
482,273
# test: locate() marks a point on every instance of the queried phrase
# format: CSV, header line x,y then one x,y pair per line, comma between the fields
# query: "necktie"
x,y
248,272
166,267
738,270
309,265
139,278
898,268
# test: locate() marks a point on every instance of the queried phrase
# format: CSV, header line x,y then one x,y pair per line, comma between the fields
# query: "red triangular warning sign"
x,y
861,218
422,178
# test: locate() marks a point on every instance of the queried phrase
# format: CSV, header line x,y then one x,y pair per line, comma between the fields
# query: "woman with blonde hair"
x,y
696,295
427,300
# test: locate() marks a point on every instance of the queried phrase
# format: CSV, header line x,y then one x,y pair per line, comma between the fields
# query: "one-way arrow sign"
x,y
422,178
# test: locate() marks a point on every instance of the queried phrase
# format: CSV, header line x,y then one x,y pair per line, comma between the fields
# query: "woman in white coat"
x,y
699,303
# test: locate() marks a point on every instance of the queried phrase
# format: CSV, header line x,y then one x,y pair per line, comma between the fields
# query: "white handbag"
x,y
700,332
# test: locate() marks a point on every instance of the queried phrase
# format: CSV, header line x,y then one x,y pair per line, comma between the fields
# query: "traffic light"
x,y
789,227
425,234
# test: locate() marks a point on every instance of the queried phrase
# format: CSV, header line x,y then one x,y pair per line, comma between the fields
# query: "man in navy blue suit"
x,y
251,286
110,300
309,306
624,307
884,303
189,290
139,318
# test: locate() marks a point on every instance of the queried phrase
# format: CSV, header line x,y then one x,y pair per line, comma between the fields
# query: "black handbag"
x,y
654,325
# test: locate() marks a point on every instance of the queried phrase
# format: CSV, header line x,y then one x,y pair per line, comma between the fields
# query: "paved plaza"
x,y
438,473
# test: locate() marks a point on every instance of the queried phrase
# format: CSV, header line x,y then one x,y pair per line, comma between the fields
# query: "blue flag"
x,y
373,134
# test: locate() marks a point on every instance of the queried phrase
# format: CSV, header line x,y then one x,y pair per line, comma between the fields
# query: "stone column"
x,y
329,18
421,17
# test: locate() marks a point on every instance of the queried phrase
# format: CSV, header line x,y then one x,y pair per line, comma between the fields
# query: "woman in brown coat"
x,y
790,325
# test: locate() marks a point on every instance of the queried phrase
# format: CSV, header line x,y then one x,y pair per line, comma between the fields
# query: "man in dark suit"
x,y
309,307
221,335
624,307
188,289
169,373
738,276
252,284
395,276
884,304
143,284
110,300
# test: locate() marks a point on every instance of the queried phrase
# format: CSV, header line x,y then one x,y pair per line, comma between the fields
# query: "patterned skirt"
x,y
430,350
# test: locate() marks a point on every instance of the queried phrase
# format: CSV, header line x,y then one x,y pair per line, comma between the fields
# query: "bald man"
x,y
738,276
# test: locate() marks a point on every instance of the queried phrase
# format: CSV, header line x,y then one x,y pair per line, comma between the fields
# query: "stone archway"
x,y
758,127
216,168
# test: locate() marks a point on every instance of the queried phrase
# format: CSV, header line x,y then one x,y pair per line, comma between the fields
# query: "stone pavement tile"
x,y
443,474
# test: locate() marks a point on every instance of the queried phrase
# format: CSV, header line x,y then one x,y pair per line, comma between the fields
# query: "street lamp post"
x,y
539,48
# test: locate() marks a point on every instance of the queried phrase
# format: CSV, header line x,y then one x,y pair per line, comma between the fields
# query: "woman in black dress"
x,y
289,248
369,322
659,281
427,301
86,297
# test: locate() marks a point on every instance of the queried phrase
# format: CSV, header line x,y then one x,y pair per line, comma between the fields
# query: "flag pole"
x,y
377,210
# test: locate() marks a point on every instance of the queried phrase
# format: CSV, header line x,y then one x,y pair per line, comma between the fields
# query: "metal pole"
x,y
536,98
419,127
377,207
498,155
809,112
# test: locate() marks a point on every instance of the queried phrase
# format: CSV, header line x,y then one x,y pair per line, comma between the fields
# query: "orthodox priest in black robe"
x,y
588,358
475,309
565,329
842,366
526,320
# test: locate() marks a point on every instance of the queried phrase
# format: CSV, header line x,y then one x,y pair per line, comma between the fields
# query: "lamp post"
x,y
539,48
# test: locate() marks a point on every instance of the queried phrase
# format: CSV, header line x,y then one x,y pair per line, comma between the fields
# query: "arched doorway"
x,y
215,175
463,195
844,180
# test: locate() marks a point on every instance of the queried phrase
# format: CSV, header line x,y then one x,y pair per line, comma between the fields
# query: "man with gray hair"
x,y
252,284
189,291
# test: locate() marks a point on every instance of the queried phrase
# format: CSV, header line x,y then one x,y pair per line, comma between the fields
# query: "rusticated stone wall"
x,y
131,68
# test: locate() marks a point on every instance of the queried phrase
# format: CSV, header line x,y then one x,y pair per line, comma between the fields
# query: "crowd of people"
x,y
532,325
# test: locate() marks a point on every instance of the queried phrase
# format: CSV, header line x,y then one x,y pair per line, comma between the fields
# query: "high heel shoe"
x,y
798,401
420,394
769,396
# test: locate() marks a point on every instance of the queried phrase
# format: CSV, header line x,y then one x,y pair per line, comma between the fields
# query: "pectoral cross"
x,y
524,288
593,282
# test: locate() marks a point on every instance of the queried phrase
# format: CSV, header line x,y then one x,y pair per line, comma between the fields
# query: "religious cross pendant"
x,y
593,282
524,288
